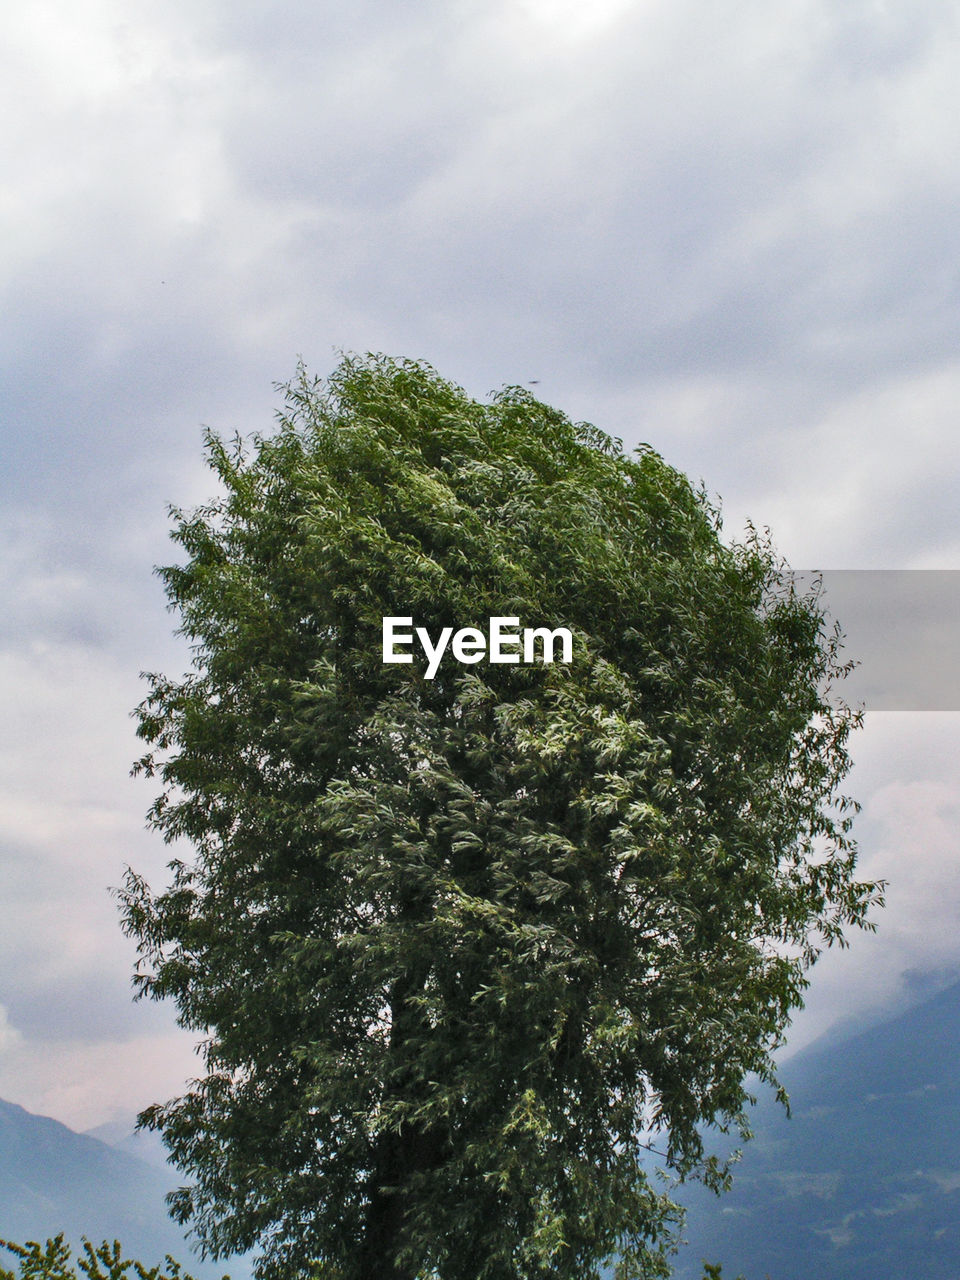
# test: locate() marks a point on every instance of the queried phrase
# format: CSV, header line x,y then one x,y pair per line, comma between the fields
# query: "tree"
x,y
51,1261
107,1262
461,945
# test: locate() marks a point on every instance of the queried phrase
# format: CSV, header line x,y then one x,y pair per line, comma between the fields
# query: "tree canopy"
x,y
51,1261
459,947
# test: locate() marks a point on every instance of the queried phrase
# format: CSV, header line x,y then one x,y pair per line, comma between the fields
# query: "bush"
x,y
52,1262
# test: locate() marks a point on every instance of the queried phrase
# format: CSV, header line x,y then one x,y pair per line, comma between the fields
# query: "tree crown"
x,y
460,945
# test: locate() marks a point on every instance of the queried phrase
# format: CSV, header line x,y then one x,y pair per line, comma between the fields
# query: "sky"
x,y
729,230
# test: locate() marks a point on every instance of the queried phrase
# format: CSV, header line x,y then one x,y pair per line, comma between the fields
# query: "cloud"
x,y
85,1083
909,835
10,1037
729,231
69,819
657,211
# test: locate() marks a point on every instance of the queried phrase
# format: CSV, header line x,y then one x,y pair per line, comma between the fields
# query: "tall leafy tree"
x,y
460,947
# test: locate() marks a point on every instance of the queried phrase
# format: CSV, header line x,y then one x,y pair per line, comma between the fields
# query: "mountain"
x,y
863,1182
52,1180
145,1144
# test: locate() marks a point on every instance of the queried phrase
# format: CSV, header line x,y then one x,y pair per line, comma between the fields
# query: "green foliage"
x,y
106,1262
458,947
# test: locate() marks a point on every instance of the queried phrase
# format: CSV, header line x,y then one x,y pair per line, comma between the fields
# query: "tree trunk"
x,y
398,1154
384,1215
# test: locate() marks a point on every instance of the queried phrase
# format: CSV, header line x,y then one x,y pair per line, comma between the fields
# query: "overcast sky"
x,y
728,229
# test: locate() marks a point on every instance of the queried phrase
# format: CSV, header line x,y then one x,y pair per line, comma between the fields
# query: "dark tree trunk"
x,y
384,1215
398,1155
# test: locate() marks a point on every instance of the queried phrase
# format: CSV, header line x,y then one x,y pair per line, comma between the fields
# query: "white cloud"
x,y
871,482
909,835
84,1084
10,1038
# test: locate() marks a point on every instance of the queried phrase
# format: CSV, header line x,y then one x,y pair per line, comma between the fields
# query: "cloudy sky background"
x,y
730,230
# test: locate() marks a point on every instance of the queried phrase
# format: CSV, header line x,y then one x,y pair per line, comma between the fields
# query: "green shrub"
x,y
52,1262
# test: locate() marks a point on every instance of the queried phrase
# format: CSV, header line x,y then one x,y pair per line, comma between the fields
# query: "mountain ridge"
x,y
54,1180
863,1181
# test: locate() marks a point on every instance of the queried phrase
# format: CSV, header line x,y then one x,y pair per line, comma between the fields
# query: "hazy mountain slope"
x,y
122,1135
863,1183
52,1179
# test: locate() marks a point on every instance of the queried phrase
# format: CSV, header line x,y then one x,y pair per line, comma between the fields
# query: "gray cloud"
x,y
729,231
908,835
